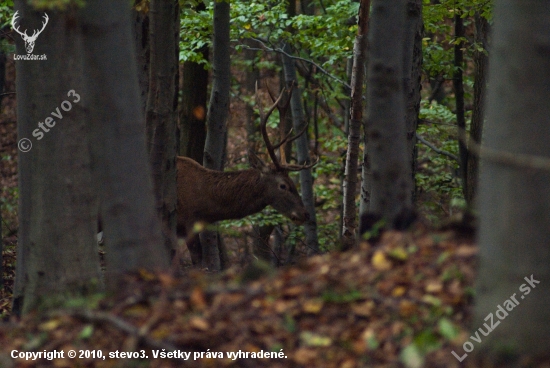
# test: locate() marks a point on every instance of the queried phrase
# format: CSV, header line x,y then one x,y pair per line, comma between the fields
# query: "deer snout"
x,y
299,218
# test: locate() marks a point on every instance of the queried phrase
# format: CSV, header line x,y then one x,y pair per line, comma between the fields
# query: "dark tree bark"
x,y
350,177
302,148
218,112
117,130
390,196
218,109
412,73
478,115
57,254
161,116
514,199
459,100
193,109
193,106
143,58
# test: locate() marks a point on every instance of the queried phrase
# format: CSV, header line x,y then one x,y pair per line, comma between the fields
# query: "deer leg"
x,y
195,250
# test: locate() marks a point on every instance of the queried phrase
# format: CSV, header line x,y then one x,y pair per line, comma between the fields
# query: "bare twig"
x,y
281,51
518,160
435,149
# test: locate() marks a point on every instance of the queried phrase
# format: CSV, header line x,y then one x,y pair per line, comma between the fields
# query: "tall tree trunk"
x,y
302,148
218,111
193,106
514,200
117,130
356,120
57,255
459,99
478,115
386,135
412,73
162,110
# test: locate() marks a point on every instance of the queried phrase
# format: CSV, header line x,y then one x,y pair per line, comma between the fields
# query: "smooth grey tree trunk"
x,y
514,201
218,112
302,149
57,256
349,223
117,130
161,118
390,195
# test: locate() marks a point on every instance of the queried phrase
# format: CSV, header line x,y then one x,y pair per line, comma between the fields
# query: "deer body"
x,y
208,196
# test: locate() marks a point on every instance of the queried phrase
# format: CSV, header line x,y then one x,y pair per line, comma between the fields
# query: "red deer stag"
x,y
206,196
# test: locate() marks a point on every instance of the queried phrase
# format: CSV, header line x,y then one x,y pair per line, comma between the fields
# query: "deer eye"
x,y
283,186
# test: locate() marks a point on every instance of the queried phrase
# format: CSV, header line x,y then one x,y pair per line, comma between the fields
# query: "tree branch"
x,y
518,160
435,149
281,51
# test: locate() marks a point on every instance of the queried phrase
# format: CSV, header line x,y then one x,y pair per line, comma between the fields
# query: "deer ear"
x,y
257,162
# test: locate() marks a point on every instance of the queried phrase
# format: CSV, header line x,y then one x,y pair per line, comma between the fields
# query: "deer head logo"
x,y
29,40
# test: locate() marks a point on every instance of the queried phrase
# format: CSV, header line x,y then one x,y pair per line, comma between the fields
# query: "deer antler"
x,y
282,107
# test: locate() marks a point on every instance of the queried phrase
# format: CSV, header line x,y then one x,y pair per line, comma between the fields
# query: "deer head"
x,y
287,199
29,40
280,191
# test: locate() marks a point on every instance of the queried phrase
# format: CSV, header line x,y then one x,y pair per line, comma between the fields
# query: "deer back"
x,y
207,195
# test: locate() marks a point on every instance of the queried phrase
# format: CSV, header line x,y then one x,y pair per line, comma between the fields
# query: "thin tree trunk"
x,y
459,100
162,111
117,131
478,115
218,111
306,179
412,72
514,201
193,106
387,143
251,77
356,111
57,255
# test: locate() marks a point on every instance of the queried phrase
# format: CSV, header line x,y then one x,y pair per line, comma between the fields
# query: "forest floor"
x,y
405,301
